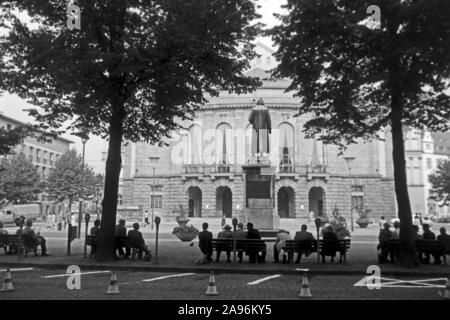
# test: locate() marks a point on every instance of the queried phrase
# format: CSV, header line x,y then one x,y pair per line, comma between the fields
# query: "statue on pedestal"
x,y
262,127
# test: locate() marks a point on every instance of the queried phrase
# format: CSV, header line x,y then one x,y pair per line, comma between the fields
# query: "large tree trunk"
x,y
407,244
109,204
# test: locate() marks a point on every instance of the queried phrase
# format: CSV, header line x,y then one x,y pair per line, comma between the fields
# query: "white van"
x,y
29,211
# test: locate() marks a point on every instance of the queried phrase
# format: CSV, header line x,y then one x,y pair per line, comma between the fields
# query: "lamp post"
x,y
80,206
349,160
153,161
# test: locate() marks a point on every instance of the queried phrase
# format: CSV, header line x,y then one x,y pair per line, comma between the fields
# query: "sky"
x,y
13,106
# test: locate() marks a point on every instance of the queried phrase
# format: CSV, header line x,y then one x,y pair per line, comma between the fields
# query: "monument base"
x,y
263,218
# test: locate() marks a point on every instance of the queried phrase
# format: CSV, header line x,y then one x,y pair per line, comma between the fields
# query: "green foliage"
x,y
441,182
67,181
347,73
148,62
20,180
10,138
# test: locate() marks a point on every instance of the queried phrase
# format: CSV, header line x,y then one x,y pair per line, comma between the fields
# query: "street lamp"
x,y
349,160
80,206
153,161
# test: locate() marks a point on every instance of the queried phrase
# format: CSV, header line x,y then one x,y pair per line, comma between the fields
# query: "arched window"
x,y
248,142
286,147
195,144
224,144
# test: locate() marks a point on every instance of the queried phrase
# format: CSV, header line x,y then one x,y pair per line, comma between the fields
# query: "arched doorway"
x,y
224,201
195,202
316,201
286,202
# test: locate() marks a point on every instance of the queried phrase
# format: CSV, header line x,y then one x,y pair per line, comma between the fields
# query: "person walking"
x,y
204,242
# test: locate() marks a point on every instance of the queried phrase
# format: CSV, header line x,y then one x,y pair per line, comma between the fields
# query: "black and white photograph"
x,y
224,155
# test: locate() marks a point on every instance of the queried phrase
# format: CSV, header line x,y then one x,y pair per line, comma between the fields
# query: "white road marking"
x,y
72,274
396,283
170,276
17,269
263,279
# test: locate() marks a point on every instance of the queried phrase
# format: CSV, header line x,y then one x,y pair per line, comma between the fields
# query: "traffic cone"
x,y
446,293
113,287
212,290
305,292
7,282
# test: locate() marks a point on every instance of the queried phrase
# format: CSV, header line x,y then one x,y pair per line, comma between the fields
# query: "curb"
x,y
207,270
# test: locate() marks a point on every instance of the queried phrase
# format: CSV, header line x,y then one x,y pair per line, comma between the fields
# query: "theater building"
x,y
201,168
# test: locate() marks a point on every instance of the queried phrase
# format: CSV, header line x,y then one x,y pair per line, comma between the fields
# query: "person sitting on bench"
x,y
137,241
226,234
32,238
253,256
121,232
303,235
282,237
330,244
240,234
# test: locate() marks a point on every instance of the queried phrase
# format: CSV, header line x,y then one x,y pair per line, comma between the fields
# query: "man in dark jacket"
x,y
253,256
136,240
303,235
204,242
121,232
429,235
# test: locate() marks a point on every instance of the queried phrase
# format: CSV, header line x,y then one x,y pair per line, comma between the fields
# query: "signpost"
x,y
87,217
157,222
19,222
234,222
318,222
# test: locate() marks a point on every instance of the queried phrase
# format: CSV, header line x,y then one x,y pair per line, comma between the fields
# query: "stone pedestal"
x,y
259,196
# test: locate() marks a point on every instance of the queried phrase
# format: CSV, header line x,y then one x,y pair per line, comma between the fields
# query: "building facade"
x,y
42,154
424,151
201,168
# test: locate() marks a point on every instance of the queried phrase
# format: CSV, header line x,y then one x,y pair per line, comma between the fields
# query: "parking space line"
x,y
17,269
263,279
169,276
72,274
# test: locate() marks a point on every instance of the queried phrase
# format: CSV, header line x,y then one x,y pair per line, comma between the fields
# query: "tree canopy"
x,y
133,71
355,81
20,181
440,182
69,179
10,138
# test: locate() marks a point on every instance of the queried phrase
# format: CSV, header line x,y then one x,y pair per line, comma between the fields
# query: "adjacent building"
x,y
42,154
424,151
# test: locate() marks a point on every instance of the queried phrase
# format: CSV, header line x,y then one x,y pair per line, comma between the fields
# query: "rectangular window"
x,y
156,201
157,188
358,203
357,189
429,164
358,197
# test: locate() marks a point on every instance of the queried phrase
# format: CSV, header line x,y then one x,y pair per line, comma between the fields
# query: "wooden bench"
x,y
329,247
299,247
242,245
92,240
422,246
11,243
